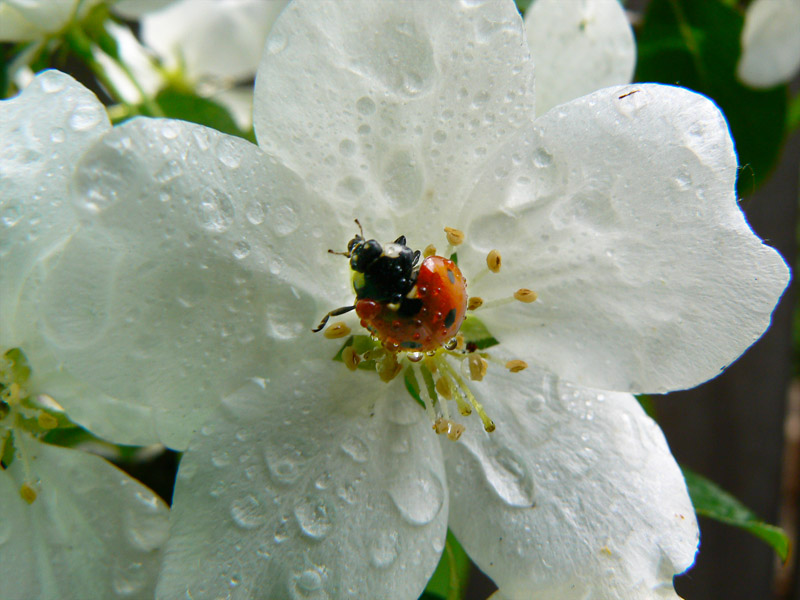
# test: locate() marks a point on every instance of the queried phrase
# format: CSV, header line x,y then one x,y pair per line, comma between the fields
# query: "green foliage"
x,y
476,332
715,503
449,581
179,104
695,44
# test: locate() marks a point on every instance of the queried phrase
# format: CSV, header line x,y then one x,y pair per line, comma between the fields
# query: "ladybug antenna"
x,y
333,313
360,229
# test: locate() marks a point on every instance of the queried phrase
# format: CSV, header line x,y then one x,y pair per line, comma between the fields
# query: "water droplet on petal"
x,y
241,249
542,158
383,549
215,211
57,135
365,105
51,82
314,517
355,449
129,579
508,477
285,464
247,512
308,585
85,117
418,498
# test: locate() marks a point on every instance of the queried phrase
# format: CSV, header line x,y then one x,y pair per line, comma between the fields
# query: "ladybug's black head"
x,y
363,253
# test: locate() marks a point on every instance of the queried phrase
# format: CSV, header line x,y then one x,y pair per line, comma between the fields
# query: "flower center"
x,y
416,317
21,417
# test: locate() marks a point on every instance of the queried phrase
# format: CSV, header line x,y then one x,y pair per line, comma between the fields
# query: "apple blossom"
x,y
73,526
770,43
306,479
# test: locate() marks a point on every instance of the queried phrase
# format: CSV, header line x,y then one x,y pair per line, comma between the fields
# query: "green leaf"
x,y
449,581
696,45
179,104
474,331
715,503
412,385
647,403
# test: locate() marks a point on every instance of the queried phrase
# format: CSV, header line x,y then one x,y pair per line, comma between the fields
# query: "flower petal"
x,y
44,129
574,495
770,42
319,483
619,210
578,47
197,259
379,121
92,532
180,34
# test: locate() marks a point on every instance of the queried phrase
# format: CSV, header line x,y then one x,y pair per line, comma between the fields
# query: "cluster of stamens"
x,y
19,413
429,376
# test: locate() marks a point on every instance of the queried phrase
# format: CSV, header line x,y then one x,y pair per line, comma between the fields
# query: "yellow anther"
x,y
430,250
488,425
337,330
443,388
474,303
455,431
477,367
493,261
350,358
440,425
47,421
389,368
525,295
516,365
454,236
27,493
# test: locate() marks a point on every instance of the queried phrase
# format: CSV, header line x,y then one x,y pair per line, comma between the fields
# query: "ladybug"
x,y
406,304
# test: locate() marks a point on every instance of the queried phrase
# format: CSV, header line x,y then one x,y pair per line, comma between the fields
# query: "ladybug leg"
x,y
333,313
401,240
416,259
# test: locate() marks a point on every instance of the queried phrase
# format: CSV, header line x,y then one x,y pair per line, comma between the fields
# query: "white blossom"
x,y
770,43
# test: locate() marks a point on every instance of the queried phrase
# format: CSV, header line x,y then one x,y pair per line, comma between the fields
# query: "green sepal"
x,y
713,502
474,331
412,385
449,580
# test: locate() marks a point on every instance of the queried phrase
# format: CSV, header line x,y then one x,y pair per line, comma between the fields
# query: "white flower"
x,y
309,480
578,47
770,42
72,525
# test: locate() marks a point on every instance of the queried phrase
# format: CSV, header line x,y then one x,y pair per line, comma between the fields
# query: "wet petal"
x,y
92,532
578,47
393,124
180,34
574,495
198,256
44,129
330,489
619,210
770,42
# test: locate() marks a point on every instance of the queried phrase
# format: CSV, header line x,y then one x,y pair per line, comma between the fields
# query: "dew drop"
x,y
307,585
350,187
365,105
229,153
418,498
241,249
57,135
247,512
51,82
355,449
129,579
508,477
215,211
383,549
439,136
168,172
255,212
84,117
535,403
277,42
542,158
314,517
284,220
10,216
347,147
169,130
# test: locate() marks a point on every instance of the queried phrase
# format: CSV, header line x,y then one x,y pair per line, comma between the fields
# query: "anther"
x,y
477,367
350,358
525,295
516,365
474,303
443,388
455,431
493,261
47,421
454,236
440,425
389,368
430,250
27,493
337,330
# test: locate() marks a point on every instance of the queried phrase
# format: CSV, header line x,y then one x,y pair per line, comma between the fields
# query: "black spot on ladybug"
x,y
410,345
450,318
451,276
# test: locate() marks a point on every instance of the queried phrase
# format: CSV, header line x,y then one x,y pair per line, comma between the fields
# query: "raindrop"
x,y
282,531
220,458
536,403
216,211
57,135
247,512
169,130
84,117
365,105
285,465
277,42
508,477
306,585
480,99
314,517
347,147
168,172
439,136
284,220
128,580
10,216
350,187
241,249
51,82
229,153
355,449
383,549
542,158
255,212
418,498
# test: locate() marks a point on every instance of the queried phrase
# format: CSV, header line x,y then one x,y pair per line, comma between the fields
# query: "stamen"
x,y
455,237
350,358
430,250
389,368
525,295
493,261
474,303
477,367
337,330
516,365
27,493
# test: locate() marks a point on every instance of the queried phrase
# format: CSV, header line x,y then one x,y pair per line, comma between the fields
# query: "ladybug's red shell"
x,y
442,289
